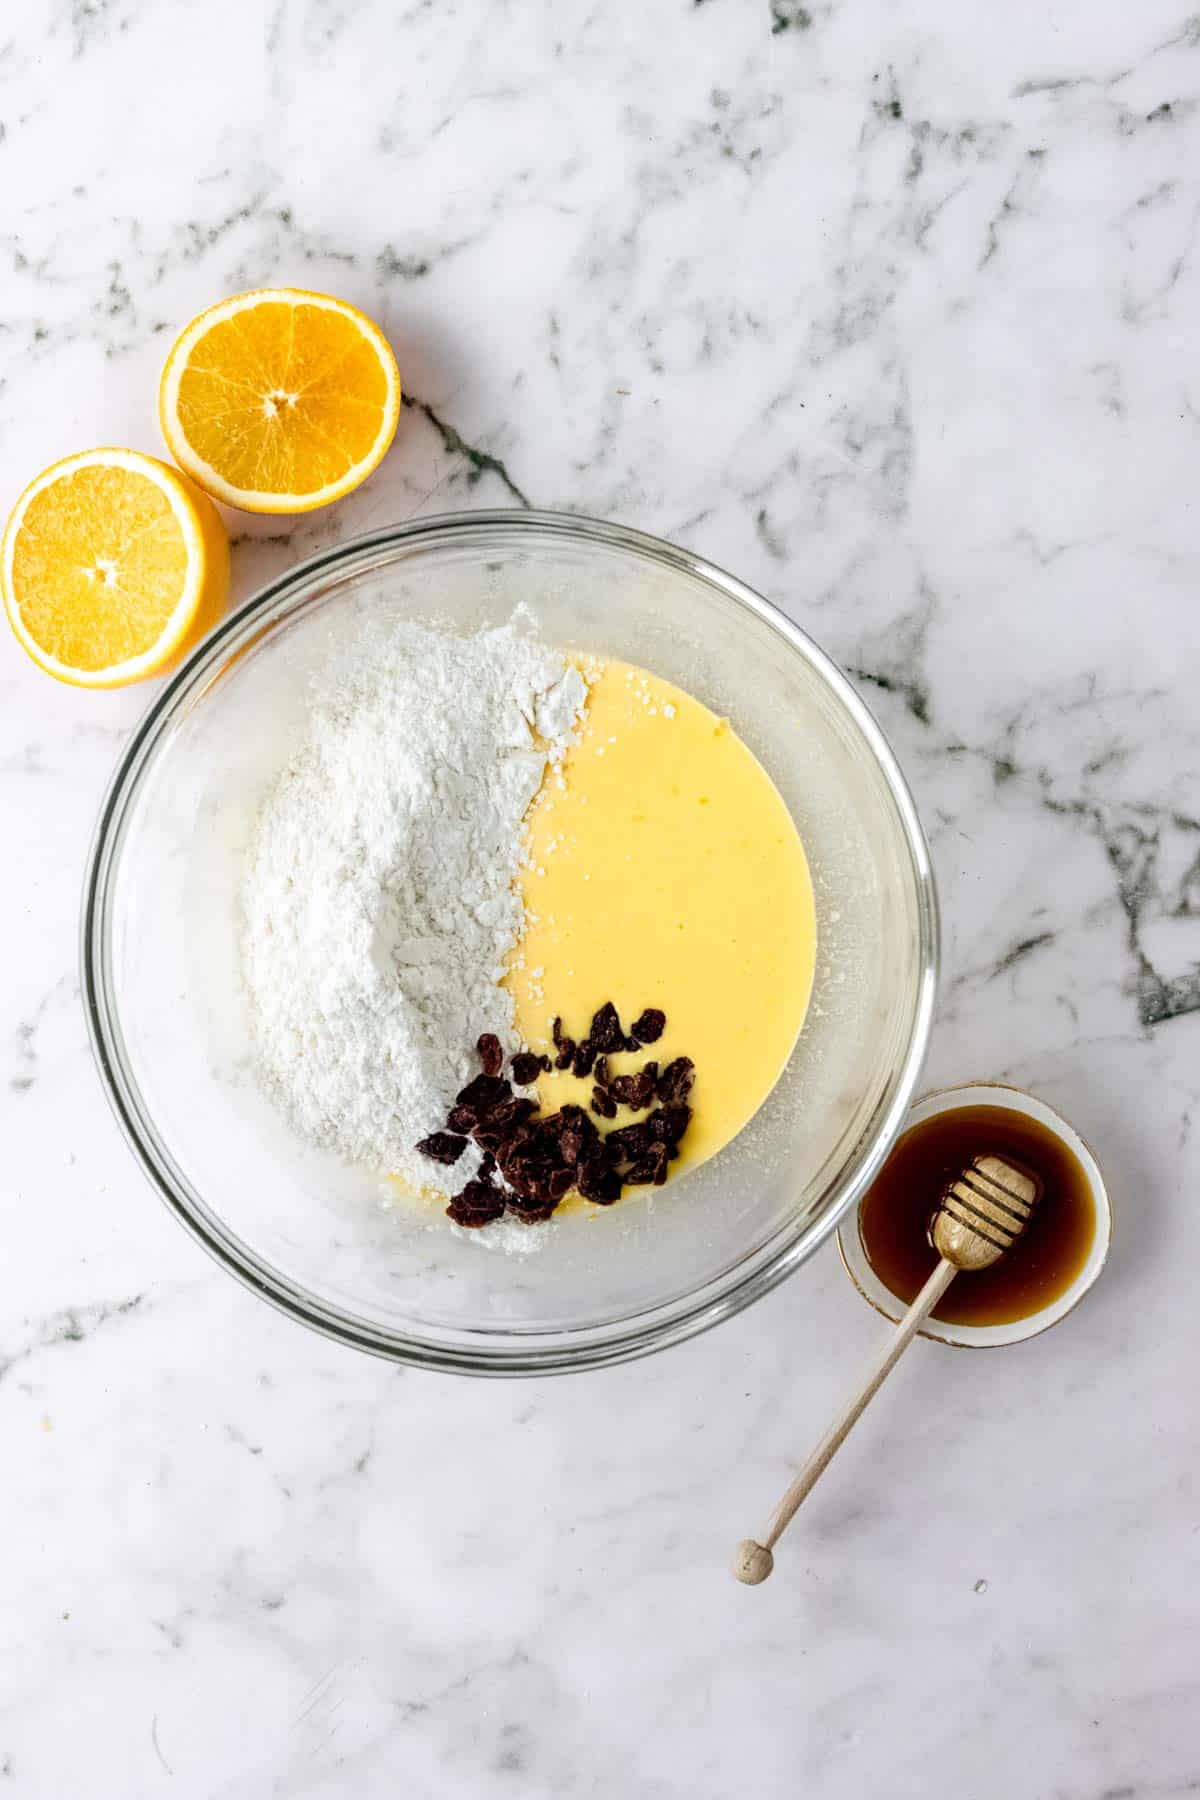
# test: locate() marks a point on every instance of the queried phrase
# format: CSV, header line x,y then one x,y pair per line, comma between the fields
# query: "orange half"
x,y
279,400
111,566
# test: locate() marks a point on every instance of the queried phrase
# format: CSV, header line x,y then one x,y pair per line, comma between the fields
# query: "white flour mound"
x,y
379,898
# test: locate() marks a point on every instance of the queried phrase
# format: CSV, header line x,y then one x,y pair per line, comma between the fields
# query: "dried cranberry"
x,y
540,1191
442,1147
648,1169
606,1033
531,1210
483,1095
599,1182
631,1141
649,1026
559,1182
513,1148
531,1160
675,1082
579,1142
478,1204
526,1067
668,1123
523,1175
634,1091
510,1113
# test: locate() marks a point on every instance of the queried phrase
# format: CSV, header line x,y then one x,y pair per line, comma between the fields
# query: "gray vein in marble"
x,y
26,1032
72,1325
914,693
1131,836
1152,1790
280,540
1019,951
236,1437
170,1631
120,316
480,462
1187,37
770,540
90,21
1008,208
157,1746
894,663
1133,854
788,15
1151,305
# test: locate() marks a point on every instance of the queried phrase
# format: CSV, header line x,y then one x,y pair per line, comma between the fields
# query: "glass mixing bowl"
x,y
322,1241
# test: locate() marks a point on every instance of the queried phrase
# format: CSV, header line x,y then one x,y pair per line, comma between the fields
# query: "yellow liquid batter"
x,y
665,870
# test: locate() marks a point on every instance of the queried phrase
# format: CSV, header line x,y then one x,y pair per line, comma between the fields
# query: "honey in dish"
x,y
894,1216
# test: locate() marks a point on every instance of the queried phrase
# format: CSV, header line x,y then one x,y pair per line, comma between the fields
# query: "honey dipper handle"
x,y
754,1561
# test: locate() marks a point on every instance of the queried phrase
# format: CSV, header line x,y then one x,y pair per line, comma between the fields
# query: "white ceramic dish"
x,y
981,1337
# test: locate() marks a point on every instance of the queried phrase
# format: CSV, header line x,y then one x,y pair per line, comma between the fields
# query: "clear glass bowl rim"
x,y
554,1352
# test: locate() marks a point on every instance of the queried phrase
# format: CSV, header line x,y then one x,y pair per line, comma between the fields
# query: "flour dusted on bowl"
x,y
380,897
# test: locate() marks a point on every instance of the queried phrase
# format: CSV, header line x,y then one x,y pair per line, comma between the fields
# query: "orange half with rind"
x,y
279,400
112,565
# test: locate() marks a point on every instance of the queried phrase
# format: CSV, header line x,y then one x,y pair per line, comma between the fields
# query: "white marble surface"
x,y
890,306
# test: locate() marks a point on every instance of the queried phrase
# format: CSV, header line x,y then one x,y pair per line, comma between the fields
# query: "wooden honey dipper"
x,y
979,1216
